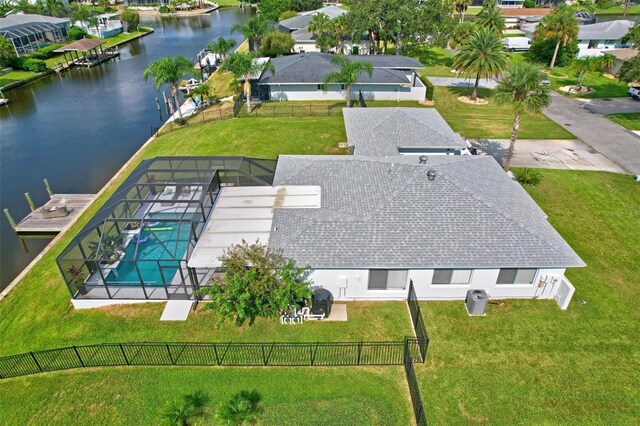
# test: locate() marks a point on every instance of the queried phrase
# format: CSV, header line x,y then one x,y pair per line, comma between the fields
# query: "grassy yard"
x,y
491,120
629,120
319,108
527,361
437,61
136,396
37,313
604,86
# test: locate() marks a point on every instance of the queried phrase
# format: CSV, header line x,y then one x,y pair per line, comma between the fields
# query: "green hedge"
x,y
430,89
30,64
45,52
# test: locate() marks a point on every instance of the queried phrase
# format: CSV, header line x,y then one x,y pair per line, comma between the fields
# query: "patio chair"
x,y
306,314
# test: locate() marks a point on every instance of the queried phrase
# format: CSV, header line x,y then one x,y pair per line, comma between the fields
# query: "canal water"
x,y
77,130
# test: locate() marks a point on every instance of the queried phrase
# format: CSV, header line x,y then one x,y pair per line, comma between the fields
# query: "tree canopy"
x,y
630,70
276,43
131,18
491,18
272,9
561,26
258,282
169,71
348,73
7,52
254,29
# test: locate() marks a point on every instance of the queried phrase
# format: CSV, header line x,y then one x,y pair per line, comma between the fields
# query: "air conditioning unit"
x,y
476,302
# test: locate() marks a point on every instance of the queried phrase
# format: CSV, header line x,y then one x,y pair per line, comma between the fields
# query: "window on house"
x,y
388,279
320,87
451,276
516,276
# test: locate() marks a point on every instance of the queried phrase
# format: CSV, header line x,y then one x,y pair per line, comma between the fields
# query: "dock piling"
x,y
46,184
11,221
30,201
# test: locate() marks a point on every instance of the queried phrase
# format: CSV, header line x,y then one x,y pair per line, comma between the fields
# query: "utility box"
x,y
321,302
476,302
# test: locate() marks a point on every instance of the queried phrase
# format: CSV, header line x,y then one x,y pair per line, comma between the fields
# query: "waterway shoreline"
x,y
36,77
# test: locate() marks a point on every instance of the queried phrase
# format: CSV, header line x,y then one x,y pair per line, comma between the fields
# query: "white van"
x,y
517,44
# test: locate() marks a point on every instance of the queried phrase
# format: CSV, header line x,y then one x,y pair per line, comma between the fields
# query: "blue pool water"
x,y
158,256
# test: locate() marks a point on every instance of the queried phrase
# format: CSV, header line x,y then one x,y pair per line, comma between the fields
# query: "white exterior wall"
x,y
352,284
310,92
599,49
304,46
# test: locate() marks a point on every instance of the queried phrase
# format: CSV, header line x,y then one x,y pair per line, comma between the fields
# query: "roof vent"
x,y
423,159
431,174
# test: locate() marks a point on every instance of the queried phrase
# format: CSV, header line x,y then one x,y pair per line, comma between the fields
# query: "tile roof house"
x,y
300,77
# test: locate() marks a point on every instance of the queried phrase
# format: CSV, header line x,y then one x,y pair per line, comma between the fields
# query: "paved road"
x,y
613,141
611,106
461,82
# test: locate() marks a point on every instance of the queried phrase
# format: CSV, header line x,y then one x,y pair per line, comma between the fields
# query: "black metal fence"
x,y
294,110
418,321
414,390
210,354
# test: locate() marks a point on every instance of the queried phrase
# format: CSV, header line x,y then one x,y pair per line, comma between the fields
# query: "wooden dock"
x,y
37,224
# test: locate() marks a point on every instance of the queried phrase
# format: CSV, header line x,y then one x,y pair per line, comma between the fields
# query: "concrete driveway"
x,y
609,106
550,154
461,82
603,135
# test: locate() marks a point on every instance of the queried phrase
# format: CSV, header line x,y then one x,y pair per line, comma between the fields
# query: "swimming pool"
x,y
157,257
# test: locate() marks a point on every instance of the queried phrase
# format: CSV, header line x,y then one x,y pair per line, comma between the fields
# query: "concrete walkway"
x,y
559,154
461,82
610,106
608,138
176,310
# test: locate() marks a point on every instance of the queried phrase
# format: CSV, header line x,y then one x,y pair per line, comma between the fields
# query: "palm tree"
x,y
319,26
204,92
254,29
179,412
243,66
54,7
222,46
461,7
589,64
169,70
348,73
522,88
339,29
242,409
483,56
491,19
608,61
561,24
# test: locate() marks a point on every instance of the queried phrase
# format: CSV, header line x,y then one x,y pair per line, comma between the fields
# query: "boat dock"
x,y
51,218
85,52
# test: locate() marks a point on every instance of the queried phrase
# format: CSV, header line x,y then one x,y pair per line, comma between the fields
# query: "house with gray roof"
x,y
29,32
387,132
301,77
596,39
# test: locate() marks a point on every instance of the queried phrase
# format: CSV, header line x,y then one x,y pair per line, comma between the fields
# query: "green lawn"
x,y
629,120
14,76
319,108
527,362
491,120
437,61
137,395
617,10
604,86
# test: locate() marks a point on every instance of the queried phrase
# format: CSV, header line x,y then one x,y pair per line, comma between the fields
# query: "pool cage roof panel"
x,y
163,201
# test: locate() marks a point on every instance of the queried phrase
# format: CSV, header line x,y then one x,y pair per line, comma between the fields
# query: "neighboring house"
x,y
301,77
510,4
619,58
31,32
596,39
305,41
388,132
366,225
109,25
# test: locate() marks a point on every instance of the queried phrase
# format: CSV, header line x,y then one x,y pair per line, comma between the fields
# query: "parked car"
x,y
634,92
513,44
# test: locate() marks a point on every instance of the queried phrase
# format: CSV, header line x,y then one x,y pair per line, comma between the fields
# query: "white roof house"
x,y
596,39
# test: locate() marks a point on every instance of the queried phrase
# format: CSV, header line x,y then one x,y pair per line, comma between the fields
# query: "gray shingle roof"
x,y
379,132
612,30
331,11
295,23
313,67
385,213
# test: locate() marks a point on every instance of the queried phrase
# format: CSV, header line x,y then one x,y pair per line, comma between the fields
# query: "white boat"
x,y
3,101
189,85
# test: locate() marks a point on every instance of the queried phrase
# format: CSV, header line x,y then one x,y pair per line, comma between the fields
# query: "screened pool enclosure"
x,y
137,245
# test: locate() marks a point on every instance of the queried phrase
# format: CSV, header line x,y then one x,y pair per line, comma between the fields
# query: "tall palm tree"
x,y
461,7
491,19
222,46
483,56
348,73
319,26
561,24
243,66
254,29
521,87
169,71
54,7
242,409
339,29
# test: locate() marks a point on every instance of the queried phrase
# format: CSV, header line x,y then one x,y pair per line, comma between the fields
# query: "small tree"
x,y
180,412
7,52
339,28
254,29
491,18
222,46
319,26
560,25
461,7
630,70
131,18
348,74
258,282
169,71
277,43
521,87
462,34
242,409
243,66
585,65
483,56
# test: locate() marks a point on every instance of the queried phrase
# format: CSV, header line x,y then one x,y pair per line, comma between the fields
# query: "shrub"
x,y
181,121
304,5
529,4
45,52
243,408
542,51
76,33
163,9
272,9
530,177
287,14
430,89
29,64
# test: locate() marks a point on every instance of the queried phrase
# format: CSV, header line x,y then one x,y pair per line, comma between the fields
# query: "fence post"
x,y
215,352
359,351
36,361
310,114
75,349
170,357
124,355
